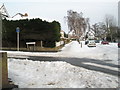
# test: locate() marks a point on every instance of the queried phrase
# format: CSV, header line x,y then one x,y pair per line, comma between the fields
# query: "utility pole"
x,y
17,30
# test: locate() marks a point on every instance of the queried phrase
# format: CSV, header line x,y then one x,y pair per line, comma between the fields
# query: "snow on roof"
x,y
18,17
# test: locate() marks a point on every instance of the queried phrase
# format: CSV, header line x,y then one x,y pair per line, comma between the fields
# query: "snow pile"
x,y
36,74
100,52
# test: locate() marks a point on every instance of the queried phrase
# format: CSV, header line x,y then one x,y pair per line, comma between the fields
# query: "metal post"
x,y
17,30
17,41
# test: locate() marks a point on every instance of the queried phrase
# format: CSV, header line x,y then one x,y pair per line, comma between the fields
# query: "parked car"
x,y
118,44
104,42
97,41
91,43
86,42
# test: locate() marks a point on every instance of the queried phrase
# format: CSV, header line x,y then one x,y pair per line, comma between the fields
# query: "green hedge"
x,y
30,30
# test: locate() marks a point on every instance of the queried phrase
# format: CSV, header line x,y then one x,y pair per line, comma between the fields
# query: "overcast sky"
x,y
57,9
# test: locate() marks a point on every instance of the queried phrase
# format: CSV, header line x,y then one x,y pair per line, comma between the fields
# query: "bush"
x,y
31,31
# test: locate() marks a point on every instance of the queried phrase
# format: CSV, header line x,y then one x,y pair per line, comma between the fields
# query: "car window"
x,y
92,41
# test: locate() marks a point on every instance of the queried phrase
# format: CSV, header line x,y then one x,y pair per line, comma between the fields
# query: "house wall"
x,y
59,43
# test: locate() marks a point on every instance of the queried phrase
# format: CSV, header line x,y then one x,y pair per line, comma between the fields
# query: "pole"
x,y
18,31
17,41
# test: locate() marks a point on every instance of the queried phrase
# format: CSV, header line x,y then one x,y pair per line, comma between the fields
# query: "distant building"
x,y
72,35
91,34
62,34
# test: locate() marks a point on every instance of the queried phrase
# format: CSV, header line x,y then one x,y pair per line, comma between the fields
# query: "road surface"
x,y
102,58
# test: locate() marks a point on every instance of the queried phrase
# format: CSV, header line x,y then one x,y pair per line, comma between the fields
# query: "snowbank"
x,y
100,52
36,74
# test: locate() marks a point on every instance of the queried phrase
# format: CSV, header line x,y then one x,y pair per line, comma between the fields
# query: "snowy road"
x,y
87,63
74,66
103,58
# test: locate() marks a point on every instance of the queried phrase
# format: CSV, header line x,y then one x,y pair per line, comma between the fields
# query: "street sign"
x,y
17,29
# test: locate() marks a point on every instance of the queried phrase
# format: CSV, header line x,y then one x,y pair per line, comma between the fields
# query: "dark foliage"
x,y
30,30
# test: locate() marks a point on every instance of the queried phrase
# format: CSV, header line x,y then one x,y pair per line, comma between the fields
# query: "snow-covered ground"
x,y
100,52
35,74
61,74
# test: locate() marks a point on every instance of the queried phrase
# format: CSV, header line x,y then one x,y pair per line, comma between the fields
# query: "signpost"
x,y
17,30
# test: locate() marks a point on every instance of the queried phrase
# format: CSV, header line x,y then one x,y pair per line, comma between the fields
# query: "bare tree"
x,y
76,22
99,30
110,24
107,29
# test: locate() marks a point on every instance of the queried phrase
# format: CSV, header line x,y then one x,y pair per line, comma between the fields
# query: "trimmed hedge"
x,y
31,30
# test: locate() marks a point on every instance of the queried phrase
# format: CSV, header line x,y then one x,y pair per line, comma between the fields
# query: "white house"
x,y
62,34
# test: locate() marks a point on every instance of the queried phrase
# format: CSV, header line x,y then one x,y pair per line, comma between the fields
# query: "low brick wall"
x,y
36,49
